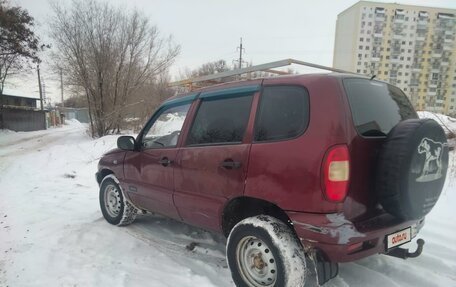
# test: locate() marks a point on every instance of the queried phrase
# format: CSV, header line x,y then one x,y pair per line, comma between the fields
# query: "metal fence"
x,y
80,114
23,120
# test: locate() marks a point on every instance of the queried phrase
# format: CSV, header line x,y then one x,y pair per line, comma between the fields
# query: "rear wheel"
x,y
114,206
263,251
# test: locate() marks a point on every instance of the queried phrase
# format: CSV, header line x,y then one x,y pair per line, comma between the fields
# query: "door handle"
x,y
165,161
230,164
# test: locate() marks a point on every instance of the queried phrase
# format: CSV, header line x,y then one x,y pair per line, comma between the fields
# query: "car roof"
x,y
258,81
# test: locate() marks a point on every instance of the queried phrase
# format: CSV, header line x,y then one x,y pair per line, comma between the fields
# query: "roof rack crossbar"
x,y
262,67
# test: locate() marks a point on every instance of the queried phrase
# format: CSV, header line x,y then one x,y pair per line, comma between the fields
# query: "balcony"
x,y
433,84
432,93
422,22
437,54
416,68
420,38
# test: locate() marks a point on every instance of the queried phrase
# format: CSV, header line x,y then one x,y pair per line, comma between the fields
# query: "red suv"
x,y
297,171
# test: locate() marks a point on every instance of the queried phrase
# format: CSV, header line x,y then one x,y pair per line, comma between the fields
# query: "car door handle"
x,y
165,161
230,164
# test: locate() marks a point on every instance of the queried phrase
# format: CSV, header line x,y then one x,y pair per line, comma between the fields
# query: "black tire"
x,y
120,211
264,240
412,168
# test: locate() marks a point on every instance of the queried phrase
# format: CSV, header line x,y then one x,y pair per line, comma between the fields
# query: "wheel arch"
x,y
243,207
102,174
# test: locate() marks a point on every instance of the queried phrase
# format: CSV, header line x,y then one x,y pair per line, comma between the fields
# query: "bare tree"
x,y
149,97
109,54
18,44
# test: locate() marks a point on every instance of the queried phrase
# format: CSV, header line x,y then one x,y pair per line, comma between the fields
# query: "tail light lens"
x,y
336,173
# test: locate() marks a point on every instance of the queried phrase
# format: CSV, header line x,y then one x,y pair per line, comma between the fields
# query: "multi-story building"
x,y
412,47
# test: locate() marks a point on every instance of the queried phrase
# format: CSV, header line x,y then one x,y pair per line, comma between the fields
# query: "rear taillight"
x,y
336,173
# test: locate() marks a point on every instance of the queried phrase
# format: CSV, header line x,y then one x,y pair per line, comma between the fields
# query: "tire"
x,y
118,211
412,168
263,251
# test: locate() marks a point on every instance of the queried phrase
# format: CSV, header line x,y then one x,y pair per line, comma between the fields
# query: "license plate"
x,y
398,238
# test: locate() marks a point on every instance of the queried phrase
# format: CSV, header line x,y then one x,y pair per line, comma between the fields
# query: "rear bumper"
x,y
343,241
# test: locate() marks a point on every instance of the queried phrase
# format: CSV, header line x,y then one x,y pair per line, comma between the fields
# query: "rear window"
x,y
377,107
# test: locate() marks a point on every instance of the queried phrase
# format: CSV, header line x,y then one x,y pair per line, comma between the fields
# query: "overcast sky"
x,y
208,30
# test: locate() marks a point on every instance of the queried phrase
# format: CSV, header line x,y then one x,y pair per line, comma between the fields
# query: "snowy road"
x,y
53,234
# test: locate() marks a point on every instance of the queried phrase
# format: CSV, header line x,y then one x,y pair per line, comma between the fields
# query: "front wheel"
x,y
115,207
263,251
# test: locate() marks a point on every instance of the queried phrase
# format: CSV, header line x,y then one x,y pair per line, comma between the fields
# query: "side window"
x,y
165,130
221,120
283,113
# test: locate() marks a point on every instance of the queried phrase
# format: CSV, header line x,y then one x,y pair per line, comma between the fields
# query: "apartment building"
x,y
412,47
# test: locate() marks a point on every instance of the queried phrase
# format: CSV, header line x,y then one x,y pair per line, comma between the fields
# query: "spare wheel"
x,y
412,168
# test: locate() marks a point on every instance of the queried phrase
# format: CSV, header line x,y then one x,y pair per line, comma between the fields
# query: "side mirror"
x,y
126,143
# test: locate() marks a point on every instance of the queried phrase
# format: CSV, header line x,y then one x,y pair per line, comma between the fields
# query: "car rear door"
x,y
149,172
212,163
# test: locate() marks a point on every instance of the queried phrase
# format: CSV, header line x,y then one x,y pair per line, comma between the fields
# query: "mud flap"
x,y
323,268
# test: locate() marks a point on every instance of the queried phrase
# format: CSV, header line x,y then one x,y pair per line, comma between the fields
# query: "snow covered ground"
x,y
52,232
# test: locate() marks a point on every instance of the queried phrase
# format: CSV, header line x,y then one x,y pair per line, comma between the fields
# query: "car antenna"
x,y
373,76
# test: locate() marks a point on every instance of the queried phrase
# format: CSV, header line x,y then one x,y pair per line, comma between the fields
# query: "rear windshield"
x,y
377,107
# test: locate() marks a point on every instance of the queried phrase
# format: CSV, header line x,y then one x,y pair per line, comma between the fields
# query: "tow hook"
x,y
404,253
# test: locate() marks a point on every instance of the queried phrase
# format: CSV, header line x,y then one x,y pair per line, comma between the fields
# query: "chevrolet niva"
x,y
296,170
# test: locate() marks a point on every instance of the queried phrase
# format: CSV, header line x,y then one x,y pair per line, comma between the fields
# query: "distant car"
x,y
325,167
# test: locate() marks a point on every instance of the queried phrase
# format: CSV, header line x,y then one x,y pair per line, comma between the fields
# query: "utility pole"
x,y
41,96
61,85
39,87
240,54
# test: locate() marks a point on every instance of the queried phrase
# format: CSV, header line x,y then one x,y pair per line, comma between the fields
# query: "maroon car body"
x,y
187,182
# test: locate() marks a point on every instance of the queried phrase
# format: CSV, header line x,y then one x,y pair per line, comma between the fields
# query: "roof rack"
x,y
263,67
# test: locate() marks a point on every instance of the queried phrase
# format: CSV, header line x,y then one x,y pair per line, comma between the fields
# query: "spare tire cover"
x,y
412,168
